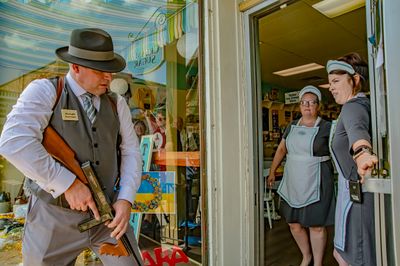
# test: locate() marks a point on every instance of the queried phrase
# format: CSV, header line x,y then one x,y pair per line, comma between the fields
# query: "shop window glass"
x,y
159,41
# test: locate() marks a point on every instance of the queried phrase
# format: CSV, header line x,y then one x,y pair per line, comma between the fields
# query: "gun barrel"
x,y
98,194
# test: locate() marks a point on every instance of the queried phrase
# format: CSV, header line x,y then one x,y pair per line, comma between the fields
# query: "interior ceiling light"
x,y
334,8
298,69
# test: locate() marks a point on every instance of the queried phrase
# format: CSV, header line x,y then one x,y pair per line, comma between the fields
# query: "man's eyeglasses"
x,y
308,103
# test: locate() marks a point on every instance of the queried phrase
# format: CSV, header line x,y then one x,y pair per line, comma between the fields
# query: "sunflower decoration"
x,y
155,201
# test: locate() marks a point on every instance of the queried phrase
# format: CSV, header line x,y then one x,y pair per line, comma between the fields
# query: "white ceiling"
x,y
299,34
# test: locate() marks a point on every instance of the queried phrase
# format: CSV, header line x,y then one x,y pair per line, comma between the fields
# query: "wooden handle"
x,y
59,149
114,250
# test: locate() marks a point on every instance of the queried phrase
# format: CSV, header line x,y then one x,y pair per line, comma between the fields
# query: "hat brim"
x,y
115,65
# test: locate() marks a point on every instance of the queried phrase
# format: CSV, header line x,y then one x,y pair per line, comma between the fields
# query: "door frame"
x,y
252,72
390,22
392,78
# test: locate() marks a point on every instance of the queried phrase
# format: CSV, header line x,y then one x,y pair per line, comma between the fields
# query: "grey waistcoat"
x,y
96,143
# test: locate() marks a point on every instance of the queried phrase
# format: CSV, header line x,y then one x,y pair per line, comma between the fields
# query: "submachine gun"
x,y
59,149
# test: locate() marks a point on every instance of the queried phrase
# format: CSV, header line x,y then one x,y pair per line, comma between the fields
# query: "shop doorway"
x,y
292,34
288,37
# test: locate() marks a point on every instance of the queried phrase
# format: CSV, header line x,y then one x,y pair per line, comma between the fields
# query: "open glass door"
x,y
384,88
271,31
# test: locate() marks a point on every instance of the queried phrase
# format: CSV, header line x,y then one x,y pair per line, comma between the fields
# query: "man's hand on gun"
x,y
80,198
85,194
120,222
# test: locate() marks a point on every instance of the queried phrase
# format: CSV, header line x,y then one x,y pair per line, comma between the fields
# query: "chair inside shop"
x,y
269,200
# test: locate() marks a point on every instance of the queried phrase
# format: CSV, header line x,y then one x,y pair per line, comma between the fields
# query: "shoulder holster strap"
x,y
58,83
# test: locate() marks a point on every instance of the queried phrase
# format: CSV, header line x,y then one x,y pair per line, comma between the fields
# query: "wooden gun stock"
x,y
118,249
59,149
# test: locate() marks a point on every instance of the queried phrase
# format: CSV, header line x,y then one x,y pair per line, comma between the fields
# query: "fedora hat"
x,y
92,48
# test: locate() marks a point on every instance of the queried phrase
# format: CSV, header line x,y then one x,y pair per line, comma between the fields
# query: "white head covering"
x,y
119,86
310,89
339,65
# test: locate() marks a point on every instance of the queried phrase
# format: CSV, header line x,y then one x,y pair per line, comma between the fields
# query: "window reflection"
x,y
159,40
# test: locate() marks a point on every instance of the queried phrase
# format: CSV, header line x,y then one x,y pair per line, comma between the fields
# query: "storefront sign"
x,y
146,60
292,97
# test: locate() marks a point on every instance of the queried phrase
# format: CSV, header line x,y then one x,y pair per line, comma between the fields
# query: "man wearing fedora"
x,y
91,120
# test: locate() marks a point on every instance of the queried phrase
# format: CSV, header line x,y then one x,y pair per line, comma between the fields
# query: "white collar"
x,y
75,87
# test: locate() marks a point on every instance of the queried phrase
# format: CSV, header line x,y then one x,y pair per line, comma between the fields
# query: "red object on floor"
x,y
162,256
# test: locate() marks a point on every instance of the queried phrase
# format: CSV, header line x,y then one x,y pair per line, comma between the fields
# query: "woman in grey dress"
x,y
353,156
307,184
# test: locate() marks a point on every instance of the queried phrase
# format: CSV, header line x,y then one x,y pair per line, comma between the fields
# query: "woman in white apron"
x,y
307,185
351,152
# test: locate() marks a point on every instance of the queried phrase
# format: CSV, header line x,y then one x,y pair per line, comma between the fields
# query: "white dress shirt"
x,y
21,140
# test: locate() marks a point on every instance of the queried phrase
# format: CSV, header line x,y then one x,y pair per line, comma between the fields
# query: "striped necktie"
x,y
89,107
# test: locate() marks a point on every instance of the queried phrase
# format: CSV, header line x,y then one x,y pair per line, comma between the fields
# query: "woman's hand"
x,y
365,163
271,180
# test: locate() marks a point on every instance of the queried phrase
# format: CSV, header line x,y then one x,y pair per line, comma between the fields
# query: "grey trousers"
x,y
51,237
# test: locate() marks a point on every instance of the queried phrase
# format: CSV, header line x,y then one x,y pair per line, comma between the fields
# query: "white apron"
x,y
301,180
343,201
